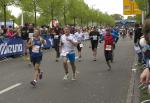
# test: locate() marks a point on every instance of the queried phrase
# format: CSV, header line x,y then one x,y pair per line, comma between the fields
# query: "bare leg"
x,y
73,68
37,72
65,66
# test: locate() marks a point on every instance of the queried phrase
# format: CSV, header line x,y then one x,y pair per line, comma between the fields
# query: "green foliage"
x,y
77,9
117,16
131,17
142,4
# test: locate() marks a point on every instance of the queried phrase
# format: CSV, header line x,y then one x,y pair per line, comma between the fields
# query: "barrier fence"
x,y
12,47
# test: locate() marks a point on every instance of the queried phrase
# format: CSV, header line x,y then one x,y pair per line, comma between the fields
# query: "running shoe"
x,y
94,59
109,69
79,59
66,77
41,75
33,83
73,77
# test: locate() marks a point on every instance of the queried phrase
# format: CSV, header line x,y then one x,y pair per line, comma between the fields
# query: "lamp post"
x,y
34,12
52,12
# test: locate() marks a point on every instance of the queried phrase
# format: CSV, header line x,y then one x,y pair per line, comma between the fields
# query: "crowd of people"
x,y
66,41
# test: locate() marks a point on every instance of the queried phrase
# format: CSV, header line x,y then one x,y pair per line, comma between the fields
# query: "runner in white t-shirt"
x,y
68,44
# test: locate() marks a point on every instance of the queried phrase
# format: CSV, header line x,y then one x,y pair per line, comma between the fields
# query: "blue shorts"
x,y
70,57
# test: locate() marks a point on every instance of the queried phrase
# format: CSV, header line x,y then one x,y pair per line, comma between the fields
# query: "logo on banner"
x,y
8,49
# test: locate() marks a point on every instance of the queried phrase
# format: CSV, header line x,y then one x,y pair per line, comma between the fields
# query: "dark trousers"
x,y
56,46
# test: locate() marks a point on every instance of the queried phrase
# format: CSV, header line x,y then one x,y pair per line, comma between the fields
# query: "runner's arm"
x,y
29,44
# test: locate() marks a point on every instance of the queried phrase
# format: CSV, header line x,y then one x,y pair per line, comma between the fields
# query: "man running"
x,y
94,36
108,47
36,55
68,44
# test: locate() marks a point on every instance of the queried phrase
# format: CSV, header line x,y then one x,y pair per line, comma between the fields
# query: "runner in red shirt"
x,y
108,47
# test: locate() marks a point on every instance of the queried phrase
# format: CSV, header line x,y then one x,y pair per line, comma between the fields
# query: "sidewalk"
x,y
133,92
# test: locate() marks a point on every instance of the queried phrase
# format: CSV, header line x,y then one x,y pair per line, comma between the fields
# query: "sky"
x,y
109,6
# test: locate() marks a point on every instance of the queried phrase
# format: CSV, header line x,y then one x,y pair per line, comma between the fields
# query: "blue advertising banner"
x,y
49,42
11,47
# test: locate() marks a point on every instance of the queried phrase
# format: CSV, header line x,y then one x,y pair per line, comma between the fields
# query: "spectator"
x,y
145,44
138,33
10,32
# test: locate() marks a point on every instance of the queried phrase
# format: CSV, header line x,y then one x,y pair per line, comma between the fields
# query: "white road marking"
x,y
134,70
146,101
10,88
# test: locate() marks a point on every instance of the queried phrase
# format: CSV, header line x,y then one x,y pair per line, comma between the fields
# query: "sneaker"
x,y
41,75
33,83
73,78
79,59
77,72
57,59
109,69
66,77
94,59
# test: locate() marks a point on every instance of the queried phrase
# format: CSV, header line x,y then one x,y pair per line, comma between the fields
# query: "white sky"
x,y
109,6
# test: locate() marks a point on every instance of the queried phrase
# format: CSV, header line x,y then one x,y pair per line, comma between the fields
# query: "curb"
x,y
133,92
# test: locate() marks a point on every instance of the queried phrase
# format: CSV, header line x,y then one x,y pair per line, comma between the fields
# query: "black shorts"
x,y
78,47
36,60
94,44
108,55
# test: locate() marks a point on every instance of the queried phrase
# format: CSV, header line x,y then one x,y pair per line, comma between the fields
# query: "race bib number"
x,y
64,54
31,35
137,49
36,49
108,47
95,37
81,45
56,36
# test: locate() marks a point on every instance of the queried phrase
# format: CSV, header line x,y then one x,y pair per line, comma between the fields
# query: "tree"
x,y
131,18
66,11
31,6
4,4
117,16
28,18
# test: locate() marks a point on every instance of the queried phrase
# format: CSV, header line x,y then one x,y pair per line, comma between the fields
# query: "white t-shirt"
x,y
67,46
79,36
86,35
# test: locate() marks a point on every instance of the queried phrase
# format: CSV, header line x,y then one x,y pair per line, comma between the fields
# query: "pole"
x,y
34,13
143,14
52,3
22,19
5,15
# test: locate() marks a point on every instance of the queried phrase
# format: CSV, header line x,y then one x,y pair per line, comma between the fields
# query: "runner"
x,y
57,31
68,44
108,47
80,37
94,36
36,55
30,36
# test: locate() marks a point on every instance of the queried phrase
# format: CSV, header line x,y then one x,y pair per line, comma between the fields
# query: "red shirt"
x,y
108,38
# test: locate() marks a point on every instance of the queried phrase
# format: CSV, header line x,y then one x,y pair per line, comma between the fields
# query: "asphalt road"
x,y
94,84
